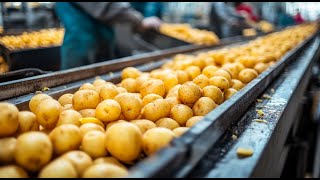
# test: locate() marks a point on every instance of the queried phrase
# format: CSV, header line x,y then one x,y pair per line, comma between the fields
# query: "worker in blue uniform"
x,y
89,34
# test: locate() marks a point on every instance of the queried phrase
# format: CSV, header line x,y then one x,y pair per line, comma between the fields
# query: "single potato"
x,y
180,131
69,117
182,76
48,113
260,67
181,113
88,113
109,160
247,75
130,72
229,92
189,92
108,91
220,82
87,86
174,91
170,80
85,99
8,146
12,171
129,84
153,86
194,120
130,105
108,110
9,119
223,73
167,123
65,99
105,170
155,110
213,93
193,72
93,144
79,159
87,127
59,168
27,122
36,100
203,106
173,101
114,122
150,98
209,71
201,80
236,84
144,124
99,82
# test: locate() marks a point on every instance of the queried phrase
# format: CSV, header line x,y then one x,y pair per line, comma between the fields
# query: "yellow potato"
x,y
214,93
105,170
220,82
138,95
69,117
99,82
144,124
48,112
27,122
155,139
65,99
12,171
130,72
182,76
236,84
155,110
174,91
229,92
203,106
170,80
193,72
67,107
33,150
180,131
201,80
36,100
88,113
80,160
194,120
59,168
65,138
108,110
181,113
85,99
9,119
189,92
173,101
130,105
153,86
8,146
87,86
223,73
167,123
108,91
123,141
248,62
260,67
109,160
93,144
114,122
247,75
129,84
140,80
209,71
85,128
150,98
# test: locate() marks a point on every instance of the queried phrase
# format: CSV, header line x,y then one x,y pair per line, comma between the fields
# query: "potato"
x,y
203,106
59,168
248,61
220,82
8,146
143,124
27,122
9,119
123,141
79,160
173,101
247,75
69,117
155,139
180,131
65,138
174,91
67,107
48,113
153,86
109,160
239,66
88,113
209,71
194,120
223,73
33,150
108,91
236,84
130,72
231,69
87,86
129,84
214,93
155,110
181,113
99,82
114,122
140,80
170,80
65,99
36,100
193,72
167,123
92,120
229,92
105,170
85,99
130,105
260,67
201,80
150,98
12,171
189,92
85,128
108,110
93,144
182,76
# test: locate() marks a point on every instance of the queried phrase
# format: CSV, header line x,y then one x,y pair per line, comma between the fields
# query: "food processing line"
x,y
209,148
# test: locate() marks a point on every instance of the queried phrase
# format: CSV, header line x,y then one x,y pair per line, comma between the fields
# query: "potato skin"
x,y
85,99
220,82
155,110
153,86
247,75
69,117
48,113
9,120
192,121
108,110
181,113
65,99
236,84
93,144
167,123
8,146
87,127
214,93
130,105
105,170
180,131
229,92
79,159
203,106
12,171
189,92
144,124
59,168
36,100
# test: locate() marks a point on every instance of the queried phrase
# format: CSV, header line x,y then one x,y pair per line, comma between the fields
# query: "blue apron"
x,y
86,40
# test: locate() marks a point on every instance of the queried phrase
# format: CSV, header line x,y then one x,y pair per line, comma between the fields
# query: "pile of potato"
x,y
188,34
104,128
36,39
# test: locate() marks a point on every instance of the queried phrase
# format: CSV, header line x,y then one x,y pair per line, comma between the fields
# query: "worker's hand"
x,y
151,23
